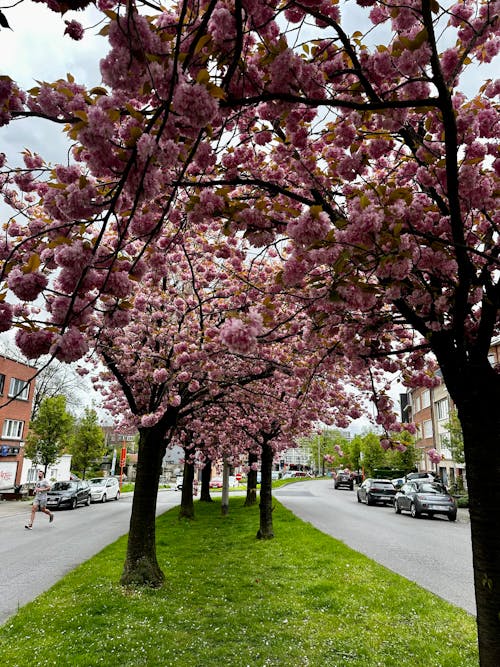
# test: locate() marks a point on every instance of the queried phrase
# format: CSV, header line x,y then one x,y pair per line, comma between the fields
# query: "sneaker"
x,y
28,526
51,518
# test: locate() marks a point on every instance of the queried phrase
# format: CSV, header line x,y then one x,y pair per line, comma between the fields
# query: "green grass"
x,y
300,600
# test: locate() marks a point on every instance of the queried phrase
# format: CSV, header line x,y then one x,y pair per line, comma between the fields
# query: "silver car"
x,y
422,497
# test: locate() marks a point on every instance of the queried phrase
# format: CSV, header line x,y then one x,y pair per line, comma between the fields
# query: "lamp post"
x,y
319,454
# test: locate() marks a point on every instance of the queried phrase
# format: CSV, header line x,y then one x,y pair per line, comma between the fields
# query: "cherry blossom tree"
x,y
364,150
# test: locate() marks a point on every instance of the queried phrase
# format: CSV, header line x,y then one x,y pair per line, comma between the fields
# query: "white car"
x,y
103,489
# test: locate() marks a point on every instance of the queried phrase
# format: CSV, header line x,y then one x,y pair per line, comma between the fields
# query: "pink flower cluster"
x,y
434,456
241,336
26,286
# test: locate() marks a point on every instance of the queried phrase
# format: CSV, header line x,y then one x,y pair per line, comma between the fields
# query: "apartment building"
x,y
429,409
16,398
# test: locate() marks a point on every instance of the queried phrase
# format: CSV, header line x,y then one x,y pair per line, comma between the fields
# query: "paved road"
x,y
435,553
33,561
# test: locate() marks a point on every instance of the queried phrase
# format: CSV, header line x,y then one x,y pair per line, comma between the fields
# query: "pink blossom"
x,y
150,420
70,346
309,228
194,105
434,456
5,316
34,344
449,62
74,30
239,336
26,286
160,375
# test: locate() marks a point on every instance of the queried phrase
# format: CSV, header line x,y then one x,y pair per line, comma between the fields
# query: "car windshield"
x,y
97,482
431,487
63,486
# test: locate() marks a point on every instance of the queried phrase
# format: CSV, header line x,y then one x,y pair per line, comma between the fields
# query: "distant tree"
x,y
50,432
403,459
56,379
373,455
454,441
88,442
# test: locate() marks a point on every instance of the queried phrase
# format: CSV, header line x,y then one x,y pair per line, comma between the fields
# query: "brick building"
x,y
16,397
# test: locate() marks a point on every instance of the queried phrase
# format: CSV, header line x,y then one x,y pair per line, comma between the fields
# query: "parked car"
x,y
374,491
344,478
69,493
423,497
178,482
103,489
216,483
424,476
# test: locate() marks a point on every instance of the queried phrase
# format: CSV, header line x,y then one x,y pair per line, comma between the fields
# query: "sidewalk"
x,y
13,507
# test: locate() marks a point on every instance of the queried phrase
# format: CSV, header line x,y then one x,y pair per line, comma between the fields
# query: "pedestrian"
x,y
40,500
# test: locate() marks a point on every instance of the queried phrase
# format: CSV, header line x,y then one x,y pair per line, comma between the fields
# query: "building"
x,y
17,387
429,409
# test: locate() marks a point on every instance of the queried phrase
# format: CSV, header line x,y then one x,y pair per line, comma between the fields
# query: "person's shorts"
x,y
39,504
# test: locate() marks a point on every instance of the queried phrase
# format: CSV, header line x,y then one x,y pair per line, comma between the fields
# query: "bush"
x,y
462,501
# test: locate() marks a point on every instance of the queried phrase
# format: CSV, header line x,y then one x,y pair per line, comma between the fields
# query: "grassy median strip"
x,y
300,600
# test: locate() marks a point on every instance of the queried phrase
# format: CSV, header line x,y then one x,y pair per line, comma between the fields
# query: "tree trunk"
x,y
141,567
475,389
266,531
251,498
206,474
225,489
187,504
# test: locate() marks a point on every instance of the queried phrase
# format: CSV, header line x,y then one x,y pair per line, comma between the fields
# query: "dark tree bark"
x,y
206,474
141,567
251,498
266,531
187,505
225,490
475,389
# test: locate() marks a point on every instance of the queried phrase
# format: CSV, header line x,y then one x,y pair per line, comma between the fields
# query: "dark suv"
x,y
344,479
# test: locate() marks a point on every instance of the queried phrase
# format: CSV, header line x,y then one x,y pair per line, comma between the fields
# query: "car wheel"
x,y
397,508
103,499
117,496
74,503
414,512
351,487
369,499
452,516
87,502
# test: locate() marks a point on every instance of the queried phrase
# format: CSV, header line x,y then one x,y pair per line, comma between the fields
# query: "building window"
x,y
12,428
442,409
426,398
2,382
428,429
19,389
417,406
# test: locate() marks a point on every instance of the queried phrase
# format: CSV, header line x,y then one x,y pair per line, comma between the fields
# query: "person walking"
x,y
40,501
